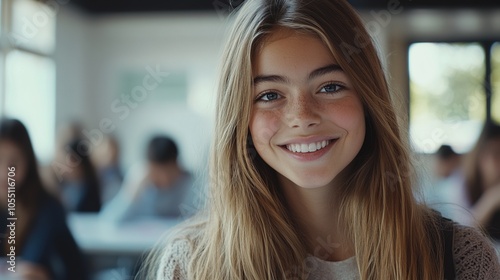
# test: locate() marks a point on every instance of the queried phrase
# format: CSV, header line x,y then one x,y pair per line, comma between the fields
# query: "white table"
x,y
96,236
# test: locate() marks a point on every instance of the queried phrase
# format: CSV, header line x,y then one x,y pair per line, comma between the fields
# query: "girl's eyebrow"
x,y
314,74
325,70
270,78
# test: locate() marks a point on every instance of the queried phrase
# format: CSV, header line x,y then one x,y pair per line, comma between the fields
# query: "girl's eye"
x,y
268,96
331,88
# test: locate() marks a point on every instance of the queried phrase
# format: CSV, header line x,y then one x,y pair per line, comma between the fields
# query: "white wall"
x,y
71,55
94,52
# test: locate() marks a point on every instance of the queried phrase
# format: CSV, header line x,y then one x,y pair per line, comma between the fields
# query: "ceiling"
x,y
136,6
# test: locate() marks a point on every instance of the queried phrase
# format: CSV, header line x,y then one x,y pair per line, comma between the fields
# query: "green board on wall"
x,y
136,84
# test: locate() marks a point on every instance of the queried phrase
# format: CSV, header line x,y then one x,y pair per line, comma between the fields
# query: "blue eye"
x,y
331,88
268,96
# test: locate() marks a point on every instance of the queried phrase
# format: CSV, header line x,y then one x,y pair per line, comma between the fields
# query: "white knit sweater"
x,y
473,254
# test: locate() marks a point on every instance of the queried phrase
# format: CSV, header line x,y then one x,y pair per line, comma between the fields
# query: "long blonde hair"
x,y
246,231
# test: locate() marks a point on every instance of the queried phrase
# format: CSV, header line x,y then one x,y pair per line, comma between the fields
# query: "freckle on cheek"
x,y
348,116
264,126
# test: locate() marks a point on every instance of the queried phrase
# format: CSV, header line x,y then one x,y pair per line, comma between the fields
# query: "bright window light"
x,y
30,97
446,95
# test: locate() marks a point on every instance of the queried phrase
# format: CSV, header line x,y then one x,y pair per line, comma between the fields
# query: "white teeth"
x,y
312,147
304,148
307,148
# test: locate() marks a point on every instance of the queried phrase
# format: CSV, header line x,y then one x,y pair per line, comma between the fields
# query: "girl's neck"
x,y
317,214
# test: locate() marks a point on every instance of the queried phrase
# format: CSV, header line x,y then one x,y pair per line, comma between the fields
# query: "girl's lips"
x,y
307,148
309,155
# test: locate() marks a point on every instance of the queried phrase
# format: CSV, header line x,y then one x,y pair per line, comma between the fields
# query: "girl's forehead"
x,y
291,49
279,33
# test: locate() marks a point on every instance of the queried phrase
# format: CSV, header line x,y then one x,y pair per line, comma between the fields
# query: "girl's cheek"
x,y
264,124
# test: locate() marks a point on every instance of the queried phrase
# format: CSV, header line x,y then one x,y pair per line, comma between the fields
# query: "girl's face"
x,y
489,163
307,121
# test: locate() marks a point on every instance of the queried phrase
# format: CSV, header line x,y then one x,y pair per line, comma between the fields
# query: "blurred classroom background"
x,y
107,77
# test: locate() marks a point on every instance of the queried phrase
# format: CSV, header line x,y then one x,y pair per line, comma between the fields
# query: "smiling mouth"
x,y
308,148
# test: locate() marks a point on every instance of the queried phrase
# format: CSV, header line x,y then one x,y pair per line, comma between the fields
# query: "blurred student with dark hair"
x,y
447,162
79,185
43,243
163,169
482,180
72,176
447,193
160,188
106,157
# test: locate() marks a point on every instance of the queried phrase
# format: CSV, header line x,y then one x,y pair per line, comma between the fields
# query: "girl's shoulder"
x,y
176,251
474,255
174,259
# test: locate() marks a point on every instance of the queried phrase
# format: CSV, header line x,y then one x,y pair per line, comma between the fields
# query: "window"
x,y
27,70
448,93
32,102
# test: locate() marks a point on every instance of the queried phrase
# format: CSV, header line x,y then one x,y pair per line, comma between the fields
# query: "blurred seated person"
x,y
482,179
448,194
79,186
51,174
447,162
44,246
160,188
106,157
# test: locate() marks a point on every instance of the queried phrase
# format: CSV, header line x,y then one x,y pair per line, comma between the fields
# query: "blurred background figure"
x,y
160,188
448,162
72,176
79,186
44,246
106,158
482,179
447,194
50,173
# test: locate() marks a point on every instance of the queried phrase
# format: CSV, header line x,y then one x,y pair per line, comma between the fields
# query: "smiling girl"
x,y
311,176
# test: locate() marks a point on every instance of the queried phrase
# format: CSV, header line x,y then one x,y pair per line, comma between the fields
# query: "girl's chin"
x,y
307,183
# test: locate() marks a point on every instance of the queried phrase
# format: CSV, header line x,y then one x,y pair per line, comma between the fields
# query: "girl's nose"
x,y
302,112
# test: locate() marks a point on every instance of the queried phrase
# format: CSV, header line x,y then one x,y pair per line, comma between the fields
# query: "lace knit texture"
x,y
173,264
473,254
